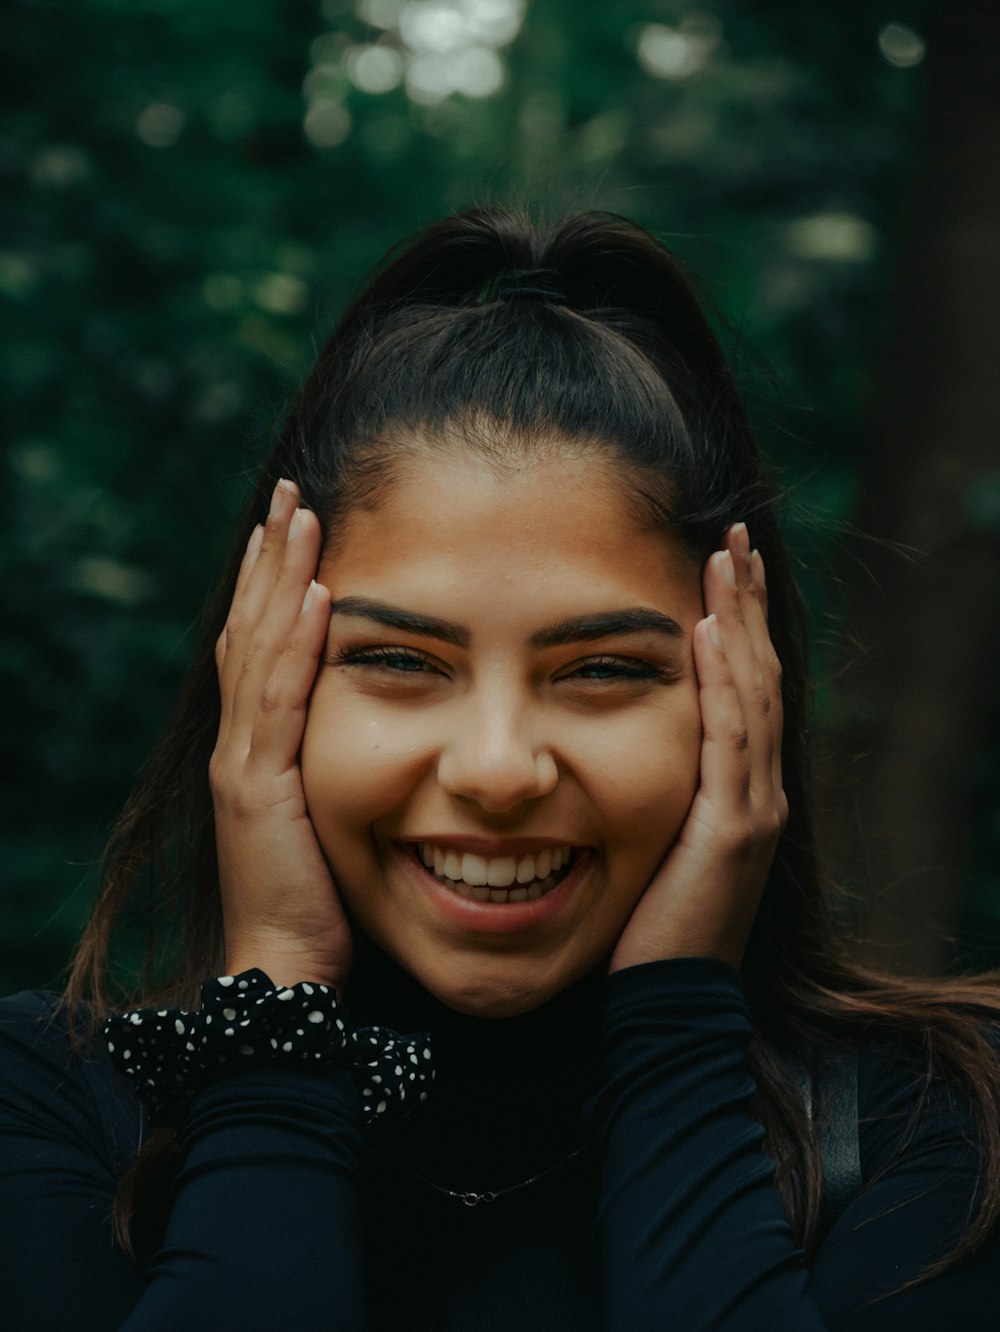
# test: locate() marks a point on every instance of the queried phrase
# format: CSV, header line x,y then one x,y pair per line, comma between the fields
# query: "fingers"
x,y
759,580
249,559
278,727
725,759
769,662
741,681
271,558
270,644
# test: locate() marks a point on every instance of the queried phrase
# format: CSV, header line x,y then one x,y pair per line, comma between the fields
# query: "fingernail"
x,y
713,630
757,564
295,526
742,540
282,494
728,568
309,597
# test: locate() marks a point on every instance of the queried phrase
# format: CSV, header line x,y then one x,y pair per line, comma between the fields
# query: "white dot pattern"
x,y
171,1054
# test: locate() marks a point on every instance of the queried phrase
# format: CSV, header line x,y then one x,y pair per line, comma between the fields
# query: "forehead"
x,y
453,523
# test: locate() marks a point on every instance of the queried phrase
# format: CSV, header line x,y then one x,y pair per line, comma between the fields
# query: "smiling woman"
x,y
531,688
479,872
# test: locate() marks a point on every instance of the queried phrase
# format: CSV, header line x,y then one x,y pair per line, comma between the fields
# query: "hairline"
x,y
504,451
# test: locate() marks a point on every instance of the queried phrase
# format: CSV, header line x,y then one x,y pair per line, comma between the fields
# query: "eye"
x,y
614,669
394,660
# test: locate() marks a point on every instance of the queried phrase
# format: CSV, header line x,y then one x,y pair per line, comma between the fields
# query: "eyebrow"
x,y
584,628
578,629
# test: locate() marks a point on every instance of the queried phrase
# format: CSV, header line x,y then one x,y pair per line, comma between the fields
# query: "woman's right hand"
x,y
281,910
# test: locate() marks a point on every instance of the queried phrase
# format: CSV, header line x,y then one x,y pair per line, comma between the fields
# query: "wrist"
x,y
711,949
285,966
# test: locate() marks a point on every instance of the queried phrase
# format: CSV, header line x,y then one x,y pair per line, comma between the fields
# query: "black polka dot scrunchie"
x,y
171,1054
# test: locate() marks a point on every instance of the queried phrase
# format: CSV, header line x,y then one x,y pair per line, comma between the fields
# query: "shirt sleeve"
x,y
692,1229
265,1218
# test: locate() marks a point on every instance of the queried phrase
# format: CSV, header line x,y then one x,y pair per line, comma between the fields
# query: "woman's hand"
x,y
703,899
280,906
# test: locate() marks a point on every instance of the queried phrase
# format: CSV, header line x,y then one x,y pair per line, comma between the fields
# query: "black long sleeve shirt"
x,y
288,1213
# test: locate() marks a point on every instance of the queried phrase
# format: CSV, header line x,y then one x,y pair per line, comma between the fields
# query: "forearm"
x,y
692,1230
265,1224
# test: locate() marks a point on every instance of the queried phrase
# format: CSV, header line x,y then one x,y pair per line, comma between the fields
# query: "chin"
x,y
489,1004
504,990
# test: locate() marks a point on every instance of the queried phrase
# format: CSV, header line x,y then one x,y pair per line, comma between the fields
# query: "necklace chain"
x,y
472,1199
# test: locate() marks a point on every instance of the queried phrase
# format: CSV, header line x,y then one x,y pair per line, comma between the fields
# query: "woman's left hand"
x,y
703,899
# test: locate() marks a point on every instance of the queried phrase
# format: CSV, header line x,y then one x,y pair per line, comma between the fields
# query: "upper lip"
x,y
493,847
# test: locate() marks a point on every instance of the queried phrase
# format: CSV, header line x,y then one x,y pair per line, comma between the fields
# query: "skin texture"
x,y
658,753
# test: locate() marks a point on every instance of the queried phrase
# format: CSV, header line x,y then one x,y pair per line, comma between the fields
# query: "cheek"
x,y
644,775
356,765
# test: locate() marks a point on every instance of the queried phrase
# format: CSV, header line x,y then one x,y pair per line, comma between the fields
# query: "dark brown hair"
x,y
626,364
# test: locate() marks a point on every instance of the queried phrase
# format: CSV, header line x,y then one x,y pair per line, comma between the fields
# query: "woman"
x,y
483,827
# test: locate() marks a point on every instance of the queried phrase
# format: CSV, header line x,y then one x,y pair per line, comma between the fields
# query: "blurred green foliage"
x,y
191,190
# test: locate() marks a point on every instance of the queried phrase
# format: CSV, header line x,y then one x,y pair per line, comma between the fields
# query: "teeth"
x,y
500,873
482,893
473,870
492,879
525,869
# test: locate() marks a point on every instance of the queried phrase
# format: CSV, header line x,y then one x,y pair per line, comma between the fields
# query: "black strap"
x,y
830,1098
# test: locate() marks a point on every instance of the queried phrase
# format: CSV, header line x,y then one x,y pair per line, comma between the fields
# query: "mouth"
x,y
496,909
501,879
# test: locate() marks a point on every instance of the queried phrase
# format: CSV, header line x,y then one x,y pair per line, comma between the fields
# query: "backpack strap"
x,y
830,1097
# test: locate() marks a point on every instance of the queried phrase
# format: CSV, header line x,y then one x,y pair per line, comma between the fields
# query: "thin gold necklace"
x,y
472,1199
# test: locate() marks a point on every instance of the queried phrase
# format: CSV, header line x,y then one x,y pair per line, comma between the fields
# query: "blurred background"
x,y
192,189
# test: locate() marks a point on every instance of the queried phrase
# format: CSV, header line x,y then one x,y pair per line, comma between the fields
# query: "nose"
x,y
492,758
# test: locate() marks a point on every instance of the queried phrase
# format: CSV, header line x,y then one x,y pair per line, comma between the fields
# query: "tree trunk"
x,y
919,698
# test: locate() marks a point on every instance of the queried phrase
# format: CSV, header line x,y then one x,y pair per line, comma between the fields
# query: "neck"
x,y
507,1091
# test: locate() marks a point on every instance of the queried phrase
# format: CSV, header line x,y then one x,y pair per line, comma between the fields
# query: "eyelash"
x,y
623,668
386,658
379,657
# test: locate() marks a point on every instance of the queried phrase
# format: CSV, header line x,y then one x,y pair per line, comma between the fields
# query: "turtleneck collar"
x,y
507,1091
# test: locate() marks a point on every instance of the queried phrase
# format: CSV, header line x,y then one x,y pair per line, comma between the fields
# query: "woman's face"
x,y
509,682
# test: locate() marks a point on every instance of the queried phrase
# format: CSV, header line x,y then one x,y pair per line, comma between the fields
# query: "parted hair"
x,y
611,351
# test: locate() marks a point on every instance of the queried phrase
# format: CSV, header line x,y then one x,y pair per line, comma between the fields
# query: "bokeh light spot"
x,y
477,72
838,237
110,579
59,165
676,53
280,293
17,274
426,26
160,125
327,124
434,47
381,13
375,69
901,46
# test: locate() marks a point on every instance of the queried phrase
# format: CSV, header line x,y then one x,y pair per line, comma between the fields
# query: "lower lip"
x,y
498,917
